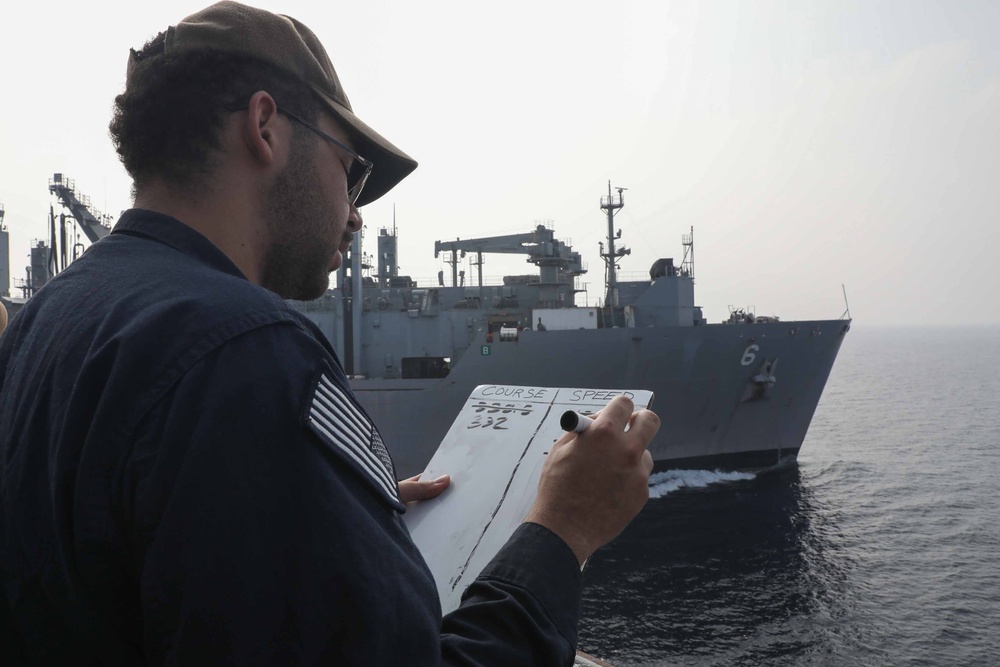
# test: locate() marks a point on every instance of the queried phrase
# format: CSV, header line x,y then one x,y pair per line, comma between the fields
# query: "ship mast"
x,y
4,257
687,264
612,206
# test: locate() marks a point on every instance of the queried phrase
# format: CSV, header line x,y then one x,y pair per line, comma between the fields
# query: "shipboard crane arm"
x,y
79,206
540,245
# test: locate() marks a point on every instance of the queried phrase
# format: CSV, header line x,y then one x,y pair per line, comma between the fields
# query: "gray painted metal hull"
x,y
713,414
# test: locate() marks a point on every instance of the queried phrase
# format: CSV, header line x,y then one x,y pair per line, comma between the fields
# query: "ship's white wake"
x,y
668,481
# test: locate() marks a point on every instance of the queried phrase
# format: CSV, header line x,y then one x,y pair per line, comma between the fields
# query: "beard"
x,y
301,231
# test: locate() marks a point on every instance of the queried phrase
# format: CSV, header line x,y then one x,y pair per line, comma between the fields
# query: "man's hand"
x,y
413,489
595,482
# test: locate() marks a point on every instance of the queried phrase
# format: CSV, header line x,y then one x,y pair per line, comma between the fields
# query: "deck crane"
x,y
91,221
556,261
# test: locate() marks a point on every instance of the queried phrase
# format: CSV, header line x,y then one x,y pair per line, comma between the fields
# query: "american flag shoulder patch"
x,y
338,421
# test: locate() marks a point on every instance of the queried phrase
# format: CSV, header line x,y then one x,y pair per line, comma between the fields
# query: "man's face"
x,y
309,220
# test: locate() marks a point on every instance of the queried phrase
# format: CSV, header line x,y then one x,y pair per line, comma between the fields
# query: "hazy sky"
x,y
809,144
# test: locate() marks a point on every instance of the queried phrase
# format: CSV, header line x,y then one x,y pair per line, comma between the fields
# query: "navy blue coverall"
x,y
187,479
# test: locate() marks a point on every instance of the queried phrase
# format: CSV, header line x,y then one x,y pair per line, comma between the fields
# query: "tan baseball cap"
x,y
288,44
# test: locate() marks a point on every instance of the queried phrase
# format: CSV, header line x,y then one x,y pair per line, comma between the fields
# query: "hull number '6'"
x,y
749,354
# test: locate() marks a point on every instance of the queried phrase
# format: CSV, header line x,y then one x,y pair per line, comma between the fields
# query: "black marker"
x,y
574,422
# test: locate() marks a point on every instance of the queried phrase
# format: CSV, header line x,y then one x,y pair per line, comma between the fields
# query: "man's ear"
x,y
261,132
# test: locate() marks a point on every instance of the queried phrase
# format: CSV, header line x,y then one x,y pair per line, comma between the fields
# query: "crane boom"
x,y
555,259
79,206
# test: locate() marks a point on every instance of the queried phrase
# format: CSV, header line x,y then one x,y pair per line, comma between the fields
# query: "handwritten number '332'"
x,y
480,422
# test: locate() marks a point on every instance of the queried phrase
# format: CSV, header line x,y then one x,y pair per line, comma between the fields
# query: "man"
x,y
187,478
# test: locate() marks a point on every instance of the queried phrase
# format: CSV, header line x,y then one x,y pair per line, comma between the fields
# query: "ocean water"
x,y
880,546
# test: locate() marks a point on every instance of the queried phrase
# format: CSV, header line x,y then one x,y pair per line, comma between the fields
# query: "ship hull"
x,y
716,409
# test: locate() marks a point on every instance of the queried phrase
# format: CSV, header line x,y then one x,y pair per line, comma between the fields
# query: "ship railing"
x,y
488,281
68,183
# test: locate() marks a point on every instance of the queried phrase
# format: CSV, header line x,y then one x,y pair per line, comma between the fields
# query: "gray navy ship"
x,y
731,396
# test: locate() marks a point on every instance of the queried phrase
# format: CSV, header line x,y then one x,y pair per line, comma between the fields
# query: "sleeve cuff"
x,y
539,561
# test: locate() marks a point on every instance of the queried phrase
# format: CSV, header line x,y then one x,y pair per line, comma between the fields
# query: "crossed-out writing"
x,y
505,409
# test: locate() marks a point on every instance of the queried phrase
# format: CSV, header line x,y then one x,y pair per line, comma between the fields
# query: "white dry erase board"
x,y
494,453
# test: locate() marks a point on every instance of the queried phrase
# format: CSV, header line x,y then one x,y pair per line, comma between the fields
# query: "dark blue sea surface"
x,y
880,546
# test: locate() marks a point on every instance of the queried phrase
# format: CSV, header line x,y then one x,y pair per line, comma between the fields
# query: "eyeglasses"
x,y
360,168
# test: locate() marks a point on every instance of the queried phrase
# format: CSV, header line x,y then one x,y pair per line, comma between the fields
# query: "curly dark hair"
x,y
166,124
